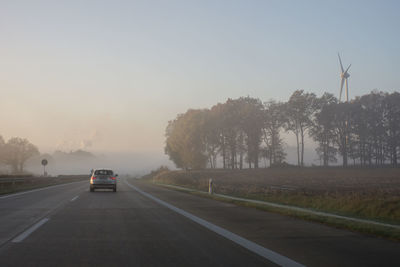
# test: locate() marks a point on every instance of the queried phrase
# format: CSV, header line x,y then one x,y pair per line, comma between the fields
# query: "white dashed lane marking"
x,y
29,231
74,198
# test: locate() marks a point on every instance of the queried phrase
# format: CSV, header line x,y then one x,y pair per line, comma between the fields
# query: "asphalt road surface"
x,y
69,226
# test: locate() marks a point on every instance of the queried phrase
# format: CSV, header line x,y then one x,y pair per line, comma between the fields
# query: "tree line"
x,y
15,152
239,132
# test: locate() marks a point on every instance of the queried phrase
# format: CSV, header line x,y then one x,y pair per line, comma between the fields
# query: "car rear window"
x,y
103,172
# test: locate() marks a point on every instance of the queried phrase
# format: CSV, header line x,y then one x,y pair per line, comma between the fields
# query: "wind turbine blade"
x,y
340,60
348,68
341,88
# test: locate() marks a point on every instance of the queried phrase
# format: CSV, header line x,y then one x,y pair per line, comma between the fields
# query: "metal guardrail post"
x,y
210,186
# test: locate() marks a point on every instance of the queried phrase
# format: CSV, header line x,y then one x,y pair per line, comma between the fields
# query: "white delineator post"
x,y
210,186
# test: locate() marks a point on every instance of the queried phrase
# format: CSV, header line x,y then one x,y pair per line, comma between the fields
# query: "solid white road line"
x,y
283,206
255,248
29,231
39,189
74,198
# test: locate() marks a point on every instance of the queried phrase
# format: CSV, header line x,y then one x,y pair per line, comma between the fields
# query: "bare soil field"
x,y
364,193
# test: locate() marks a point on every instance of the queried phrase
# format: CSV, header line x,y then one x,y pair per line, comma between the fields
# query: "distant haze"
x,y
135,164
106,76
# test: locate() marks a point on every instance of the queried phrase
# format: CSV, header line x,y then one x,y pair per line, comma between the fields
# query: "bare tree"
x,y
299,111
373,109
17,151
392,124
341,114
251,120
2,146
322,130
366,130
273,122
211,137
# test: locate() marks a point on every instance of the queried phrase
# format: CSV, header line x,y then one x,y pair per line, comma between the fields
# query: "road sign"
x,y
44,163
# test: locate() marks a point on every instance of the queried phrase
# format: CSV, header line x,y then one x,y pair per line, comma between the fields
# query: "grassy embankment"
x,y
12,184
372,194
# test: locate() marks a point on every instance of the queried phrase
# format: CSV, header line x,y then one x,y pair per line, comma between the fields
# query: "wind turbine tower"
x,y
344,75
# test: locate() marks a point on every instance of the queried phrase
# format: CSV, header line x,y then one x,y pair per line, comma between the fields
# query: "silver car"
x,y
103,178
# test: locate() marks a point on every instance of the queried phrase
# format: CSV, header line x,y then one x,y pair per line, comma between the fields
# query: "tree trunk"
x,y
223,156
370,154
326,155
241,160
233,153
302,147
298,148
344,151
236,162
256,157
272,149
214,160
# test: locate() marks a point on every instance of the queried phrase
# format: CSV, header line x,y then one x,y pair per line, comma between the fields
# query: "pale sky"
x,y
108,75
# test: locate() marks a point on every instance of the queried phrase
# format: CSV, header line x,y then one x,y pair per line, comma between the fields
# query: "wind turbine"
x,y
344,75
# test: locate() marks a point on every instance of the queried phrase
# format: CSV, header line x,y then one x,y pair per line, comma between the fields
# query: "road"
x,y
69,226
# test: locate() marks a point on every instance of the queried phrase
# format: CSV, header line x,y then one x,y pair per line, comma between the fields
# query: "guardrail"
x,y
10,182
13,181
7,182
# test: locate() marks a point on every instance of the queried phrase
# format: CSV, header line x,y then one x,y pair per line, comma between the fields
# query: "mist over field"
x,y
133,164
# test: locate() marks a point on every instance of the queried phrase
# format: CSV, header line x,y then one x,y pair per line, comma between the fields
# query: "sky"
x,y
107,76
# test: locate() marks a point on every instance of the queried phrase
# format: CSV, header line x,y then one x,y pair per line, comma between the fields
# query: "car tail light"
x,y
113,178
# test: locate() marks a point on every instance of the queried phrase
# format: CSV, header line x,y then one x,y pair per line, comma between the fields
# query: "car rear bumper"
x,y
112,186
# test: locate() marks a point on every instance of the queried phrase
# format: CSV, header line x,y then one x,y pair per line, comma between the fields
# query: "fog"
x,y
106,78
125,163
80,162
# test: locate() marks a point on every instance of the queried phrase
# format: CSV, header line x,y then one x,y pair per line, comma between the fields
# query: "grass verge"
x,y
370,229
371,194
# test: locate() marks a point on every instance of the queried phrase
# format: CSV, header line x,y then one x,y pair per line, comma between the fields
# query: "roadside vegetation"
x,y
15,152
372,194
16,183
376,230
246,132
232,141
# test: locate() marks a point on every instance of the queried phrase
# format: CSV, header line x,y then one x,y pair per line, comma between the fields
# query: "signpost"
x,y
44,163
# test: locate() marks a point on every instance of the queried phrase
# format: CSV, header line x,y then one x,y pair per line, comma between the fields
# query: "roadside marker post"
x,y
210,186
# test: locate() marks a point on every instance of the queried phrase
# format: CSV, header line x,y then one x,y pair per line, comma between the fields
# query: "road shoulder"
x,y
307,242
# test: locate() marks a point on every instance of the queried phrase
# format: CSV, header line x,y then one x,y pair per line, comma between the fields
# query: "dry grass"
x,y
31,182
364,193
